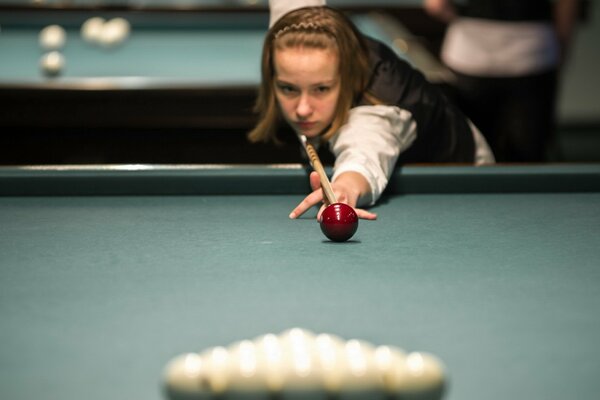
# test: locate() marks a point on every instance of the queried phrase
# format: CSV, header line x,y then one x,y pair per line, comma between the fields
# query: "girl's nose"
x,y
304,108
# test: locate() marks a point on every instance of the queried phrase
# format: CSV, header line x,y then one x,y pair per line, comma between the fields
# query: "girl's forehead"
x,y
305,49
302,61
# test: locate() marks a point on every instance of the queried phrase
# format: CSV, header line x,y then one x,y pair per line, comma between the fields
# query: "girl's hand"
x,y
346,189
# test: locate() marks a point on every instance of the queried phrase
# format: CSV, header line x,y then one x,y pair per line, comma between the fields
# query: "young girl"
x,y
337,87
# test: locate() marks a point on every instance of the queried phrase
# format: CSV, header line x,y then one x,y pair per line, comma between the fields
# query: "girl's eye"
x,y
285,89
322,89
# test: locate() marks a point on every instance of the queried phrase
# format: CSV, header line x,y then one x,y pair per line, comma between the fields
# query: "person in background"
x,y
507,56
338,88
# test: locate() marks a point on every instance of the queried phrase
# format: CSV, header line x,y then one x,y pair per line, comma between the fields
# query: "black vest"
x,y
443,132
506,10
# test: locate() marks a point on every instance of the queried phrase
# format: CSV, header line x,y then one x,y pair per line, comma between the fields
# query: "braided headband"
x,y
302,26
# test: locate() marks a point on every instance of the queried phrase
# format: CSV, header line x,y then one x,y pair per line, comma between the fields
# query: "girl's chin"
x,y
309,133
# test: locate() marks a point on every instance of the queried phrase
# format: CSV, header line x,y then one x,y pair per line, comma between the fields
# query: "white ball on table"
x,y
301,371
423,376
52,63
52,37
114,32
218,369
270,354
329,353
360,376
247,376
296,339
391,363
91,29
185,378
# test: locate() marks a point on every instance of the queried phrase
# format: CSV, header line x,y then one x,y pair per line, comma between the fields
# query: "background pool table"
x,y
180,90
108,272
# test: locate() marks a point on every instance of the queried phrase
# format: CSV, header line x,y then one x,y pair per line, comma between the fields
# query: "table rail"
x,y
278,179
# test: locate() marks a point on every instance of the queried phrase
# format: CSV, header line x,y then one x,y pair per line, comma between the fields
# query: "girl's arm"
x,y
366,149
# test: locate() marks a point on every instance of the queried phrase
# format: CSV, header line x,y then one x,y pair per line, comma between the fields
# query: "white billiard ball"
x,y
185,378
391,363
329,352
423,375
296,338
91,29
360,377
302,377
114,32
52,63
301,370
52,37
247,372
270,359
218,368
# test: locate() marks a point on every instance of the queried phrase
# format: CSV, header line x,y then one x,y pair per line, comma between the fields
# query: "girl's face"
x,y
307,87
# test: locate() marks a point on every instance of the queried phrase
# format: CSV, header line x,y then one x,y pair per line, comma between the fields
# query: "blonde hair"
x,y
320,28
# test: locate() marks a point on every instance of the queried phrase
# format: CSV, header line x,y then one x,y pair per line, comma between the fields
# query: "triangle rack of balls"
x,y
299,364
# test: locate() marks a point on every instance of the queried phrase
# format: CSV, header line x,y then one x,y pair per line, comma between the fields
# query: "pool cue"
x,y
315,162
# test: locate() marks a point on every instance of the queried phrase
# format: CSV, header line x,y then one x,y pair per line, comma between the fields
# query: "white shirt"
x,y
500,48
370,143
374,137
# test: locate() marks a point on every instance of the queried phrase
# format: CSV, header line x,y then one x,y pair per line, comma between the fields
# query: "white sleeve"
x,y
370,143
278,8
483,152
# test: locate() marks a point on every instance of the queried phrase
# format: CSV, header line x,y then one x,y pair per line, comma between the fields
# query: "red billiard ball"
x,y
339,222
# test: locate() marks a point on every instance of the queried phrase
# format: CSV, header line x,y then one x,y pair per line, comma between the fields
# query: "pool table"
x,y
178,69
107,272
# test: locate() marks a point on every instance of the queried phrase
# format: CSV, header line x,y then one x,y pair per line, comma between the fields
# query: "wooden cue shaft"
x,y
318,167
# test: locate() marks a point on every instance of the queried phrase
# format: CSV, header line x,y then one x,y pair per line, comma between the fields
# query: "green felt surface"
x,y
99,292
211,50
157,56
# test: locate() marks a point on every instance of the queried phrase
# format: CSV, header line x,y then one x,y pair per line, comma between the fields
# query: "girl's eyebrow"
x,y
324,83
